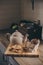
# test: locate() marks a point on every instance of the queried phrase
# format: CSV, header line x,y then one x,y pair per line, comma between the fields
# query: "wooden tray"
x,y
23,54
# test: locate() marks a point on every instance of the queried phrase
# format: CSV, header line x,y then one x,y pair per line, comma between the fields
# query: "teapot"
x,y
18,38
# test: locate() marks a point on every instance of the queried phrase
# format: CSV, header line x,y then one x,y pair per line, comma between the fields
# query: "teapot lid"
x,y
17,33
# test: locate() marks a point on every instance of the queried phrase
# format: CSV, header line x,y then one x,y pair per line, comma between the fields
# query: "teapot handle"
x,y
8,36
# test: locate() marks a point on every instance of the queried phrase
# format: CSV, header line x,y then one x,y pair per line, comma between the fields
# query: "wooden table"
x,y
24,54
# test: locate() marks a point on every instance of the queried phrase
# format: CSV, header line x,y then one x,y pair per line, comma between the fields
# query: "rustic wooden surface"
x,y
23,54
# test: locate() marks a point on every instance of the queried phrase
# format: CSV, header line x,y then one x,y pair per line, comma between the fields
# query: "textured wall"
x,y
40,12
9,12
28,13
26,9
14,10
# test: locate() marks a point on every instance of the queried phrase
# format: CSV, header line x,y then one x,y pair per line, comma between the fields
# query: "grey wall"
x,y
9,12
26,9
28,13
15,10
40,11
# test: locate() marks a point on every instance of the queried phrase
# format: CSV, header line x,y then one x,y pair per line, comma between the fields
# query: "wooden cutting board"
x,y
22,54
